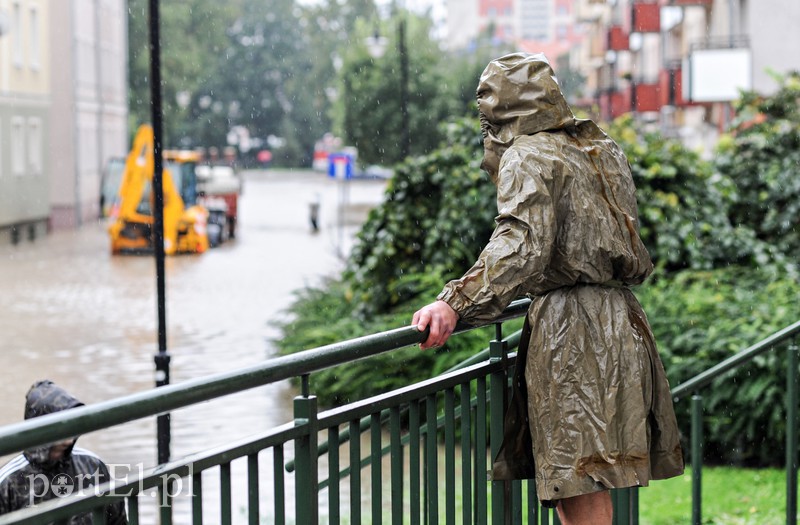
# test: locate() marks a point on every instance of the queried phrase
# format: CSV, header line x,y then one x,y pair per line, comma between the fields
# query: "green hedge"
x,y
700,318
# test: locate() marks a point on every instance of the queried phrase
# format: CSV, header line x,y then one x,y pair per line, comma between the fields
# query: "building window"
x,y
35,52
17,146
35,145
16,35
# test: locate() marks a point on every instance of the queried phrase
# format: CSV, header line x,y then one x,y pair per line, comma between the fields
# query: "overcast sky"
x,y
438,10
416,5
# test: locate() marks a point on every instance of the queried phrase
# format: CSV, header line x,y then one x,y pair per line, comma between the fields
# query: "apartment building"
x,y
675,64
25,101
89,111
678,64
541,21
63,110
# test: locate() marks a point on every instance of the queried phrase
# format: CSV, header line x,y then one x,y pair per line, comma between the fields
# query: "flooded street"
x,y
73,313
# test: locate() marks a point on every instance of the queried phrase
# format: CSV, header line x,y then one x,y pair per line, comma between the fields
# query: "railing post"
x,y
621,502
499,386
305,449
697,458
791,433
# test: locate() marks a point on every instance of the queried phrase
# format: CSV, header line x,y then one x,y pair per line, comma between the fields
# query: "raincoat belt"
x,y
606,284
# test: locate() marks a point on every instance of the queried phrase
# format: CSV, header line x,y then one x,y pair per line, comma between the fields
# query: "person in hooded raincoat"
x,y
55,470
591,408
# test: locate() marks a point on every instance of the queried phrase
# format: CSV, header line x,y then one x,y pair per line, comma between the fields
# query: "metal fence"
x,y
417,455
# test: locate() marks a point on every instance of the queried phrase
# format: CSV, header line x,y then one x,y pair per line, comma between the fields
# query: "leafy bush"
x,y
701,318
761,156
325,315
682,207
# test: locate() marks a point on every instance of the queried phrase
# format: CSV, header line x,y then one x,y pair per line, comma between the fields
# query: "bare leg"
x,y
586,509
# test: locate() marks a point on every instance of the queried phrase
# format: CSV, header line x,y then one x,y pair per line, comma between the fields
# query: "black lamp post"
x,y
376,45
405,136
162,358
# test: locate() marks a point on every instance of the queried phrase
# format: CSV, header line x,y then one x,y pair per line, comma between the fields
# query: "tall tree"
x,y
369,111
192,36
259,79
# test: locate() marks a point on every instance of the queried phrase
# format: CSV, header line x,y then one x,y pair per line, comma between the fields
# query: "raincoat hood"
x,y
518,95
45,397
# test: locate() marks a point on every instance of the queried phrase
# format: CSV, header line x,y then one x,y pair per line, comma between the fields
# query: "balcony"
x,y
614,102
646,97
671,86
692,2
618,39
646,17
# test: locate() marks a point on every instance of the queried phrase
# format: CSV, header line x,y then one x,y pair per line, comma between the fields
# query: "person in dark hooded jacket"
x,y
54,470
591,408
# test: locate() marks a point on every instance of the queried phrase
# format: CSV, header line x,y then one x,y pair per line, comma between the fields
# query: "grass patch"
x,y
731,496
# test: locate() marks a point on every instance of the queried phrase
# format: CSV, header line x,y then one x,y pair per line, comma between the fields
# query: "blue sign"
x,y
340,166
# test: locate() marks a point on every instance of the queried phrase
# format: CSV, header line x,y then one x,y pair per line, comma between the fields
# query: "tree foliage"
x,y
702,317
369,110
683,205
287,74
244,63
761,156
192,36
261,82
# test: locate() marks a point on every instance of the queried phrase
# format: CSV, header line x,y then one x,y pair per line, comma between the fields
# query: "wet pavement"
x,y
73,313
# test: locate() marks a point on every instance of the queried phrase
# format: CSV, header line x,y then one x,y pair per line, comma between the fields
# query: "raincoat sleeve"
x,y
520,248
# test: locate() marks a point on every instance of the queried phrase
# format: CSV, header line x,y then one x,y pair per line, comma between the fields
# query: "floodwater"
x,y
74,314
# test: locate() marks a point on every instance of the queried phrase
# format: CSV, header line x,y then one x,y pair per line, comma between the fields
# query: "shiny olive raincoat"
x,y
591,407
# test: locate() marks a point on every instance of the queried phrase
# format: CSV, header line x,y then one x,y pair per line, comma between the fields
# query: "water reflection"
x,y
74,314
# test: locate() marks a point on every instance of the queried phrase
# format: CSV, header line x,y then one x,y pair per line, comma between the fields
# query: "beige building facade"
x,y
25,103
89,109
63,110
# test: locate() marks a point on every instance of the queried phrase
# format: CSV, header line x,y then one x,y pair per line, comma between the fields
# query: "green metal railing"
x,y
423,458
789,337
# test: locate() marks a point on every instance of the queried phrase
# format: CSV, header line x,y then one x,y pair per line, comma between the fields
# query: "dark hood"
x,y
45,397
518,94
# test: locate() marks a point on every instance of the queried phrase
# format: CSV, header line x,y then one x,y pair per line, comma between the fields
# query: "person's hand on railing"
x,y
440,318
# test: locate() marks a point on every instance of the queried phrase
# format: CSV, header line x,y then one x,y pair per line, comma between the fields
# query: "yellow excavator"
x,y
131,227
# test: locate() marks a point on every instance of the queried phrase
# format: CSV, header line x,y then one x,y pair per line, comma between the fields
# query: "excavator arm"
x,y
132,228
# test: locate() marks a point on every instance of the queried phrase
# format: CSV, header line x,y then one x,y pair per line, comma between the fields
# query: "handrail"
x,y
512,341
704,378
88,418
301,364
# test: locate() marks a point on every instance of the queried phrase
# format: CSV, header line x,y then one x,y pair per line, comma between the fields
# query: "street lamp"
x,y
376,46
162,358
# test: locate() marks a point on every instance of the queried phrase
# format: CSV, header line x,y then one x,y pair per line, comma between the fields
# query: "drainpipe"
x,y
732,31
98,56
75,126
